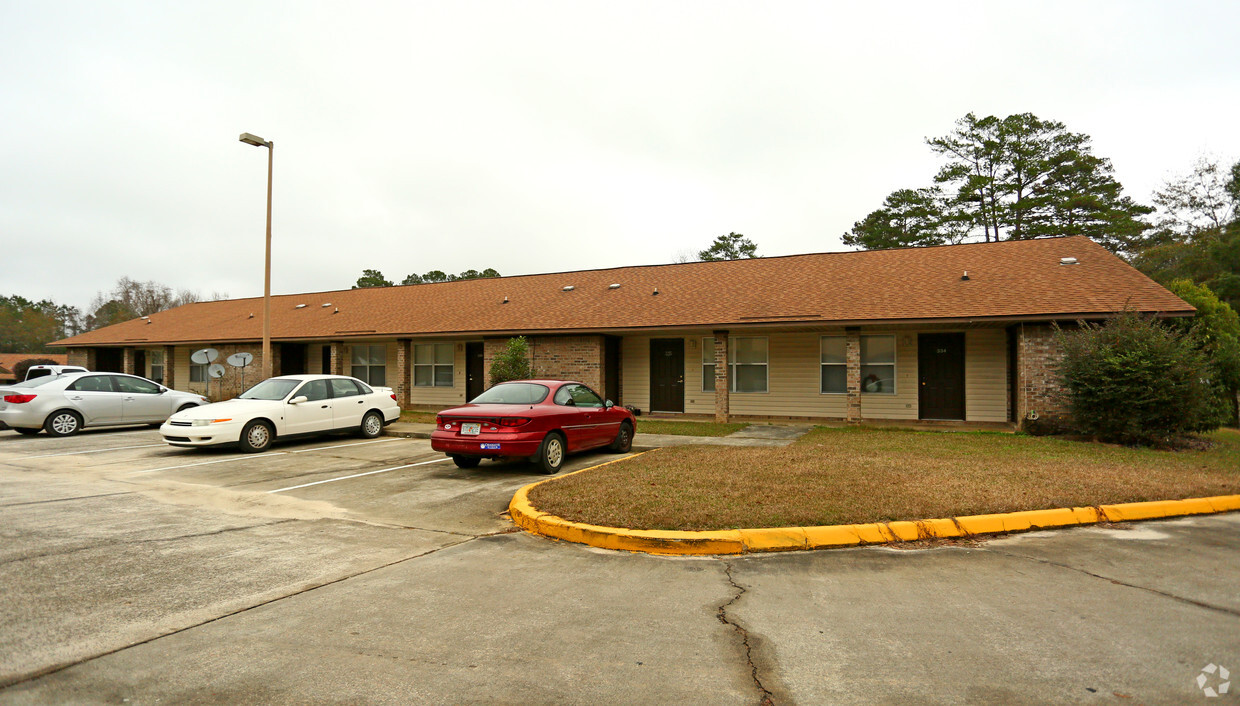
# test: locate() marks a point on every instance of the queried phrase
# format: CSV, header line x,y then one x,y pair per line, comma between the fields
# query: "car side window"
x,y
314,390
584,396
135,385
563,396
93,383
344,388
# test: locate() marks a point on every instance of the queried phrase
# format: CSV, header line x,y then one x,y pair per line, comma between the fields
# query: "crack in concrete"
x,y
765,697
61,667
1190,601
66,500
151,540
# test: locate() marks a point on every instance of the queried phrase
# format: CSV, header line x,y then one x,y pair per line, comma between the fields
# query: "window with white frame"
x,y
369,364
878,364
833,351
708,364
156,359
747,364
432,365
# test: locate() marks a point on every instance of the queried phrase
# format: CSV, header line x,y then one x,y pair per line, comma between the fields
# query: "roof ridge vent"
x,y
300,306
614,286
568,288
1068,261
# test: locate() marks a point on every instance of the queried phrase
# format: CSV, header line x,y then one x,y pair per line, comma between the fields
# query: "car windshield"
x,y
35,382
513,393
272,389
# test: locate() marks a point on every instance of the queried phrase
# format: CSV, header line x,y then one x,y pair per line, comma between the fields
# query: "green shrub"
x,y
512,363
1135,381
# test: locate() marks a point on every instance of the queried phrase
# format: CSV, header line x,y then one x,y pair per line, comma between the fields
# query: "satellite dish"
x,y
204,356
216,370
240,360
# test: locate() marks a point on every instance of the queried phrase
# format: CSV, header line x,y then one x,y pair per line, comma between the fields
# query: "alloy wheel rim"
x,y
64,424
555,453
258,436
372,424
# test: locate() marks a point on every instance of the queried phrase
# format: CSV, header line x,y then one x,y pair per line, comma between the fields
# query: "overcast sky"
x,y
542,136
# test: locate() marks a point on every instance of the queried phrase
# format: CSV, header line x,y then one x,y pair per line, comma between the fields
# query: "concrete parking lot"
x,y
344,570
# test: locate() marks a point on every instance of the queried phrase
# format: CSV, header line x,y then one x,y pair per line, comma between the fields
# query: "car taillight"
x,y
18,399
393,396
513,421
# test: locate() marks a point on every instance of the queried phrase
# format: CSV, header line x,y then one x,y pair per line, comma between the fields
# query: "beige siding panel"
x,y
635,373
436,396
985,372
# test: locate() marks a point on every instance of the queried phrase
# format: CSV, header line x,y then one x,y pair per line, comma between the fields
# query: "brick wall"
x,y
84,357
558,357
723,408
1039,390
232,384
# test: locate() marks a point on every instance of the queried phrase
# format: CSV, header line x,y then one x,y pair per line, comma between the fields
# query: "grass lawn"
x,y
846,476
417,417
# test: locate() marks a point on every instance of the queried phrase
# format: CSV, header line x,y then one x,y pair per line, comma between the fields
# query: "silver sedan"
x,y
65,404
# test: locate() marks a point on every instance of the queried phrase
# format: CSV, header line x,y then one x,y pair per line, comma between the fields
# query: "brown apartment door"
x,y
940,374
667,375
475,370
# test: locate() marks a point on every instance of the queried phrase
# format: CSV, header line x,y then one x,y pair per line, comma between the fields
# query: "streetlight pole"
x,y
271,151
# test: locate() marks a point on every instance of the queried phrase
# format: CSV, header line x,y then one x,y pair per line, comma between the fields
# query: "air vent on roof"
x,y
327,305
613,286
1068,261
505,300
568,288
300,306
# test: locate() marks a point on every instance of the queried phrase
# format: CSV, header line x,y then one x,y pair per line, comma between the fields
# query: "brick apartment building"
x,y
954,333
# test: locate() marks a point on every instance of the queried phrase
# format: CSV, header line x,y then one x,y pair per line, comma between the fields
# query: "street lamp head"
x,y
254,140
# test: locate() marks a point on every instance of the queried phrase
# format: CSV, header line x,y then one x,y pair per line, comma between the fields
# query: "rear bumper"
x,y
12,417
486,445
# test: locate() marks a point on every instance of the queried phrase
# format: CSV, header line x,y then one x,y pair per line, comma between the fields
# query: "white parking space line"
x,y
359,475
202,463
342,446
96,451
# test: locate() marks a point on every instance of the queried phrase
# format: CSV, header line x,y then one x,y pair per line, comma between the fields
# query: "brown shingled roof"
x,y
1013,279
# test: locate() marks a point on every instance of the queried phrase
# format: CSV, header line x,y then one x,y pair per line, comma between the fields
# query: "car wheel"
x,y
27,432
372,425
466,461
624,439
551,454
256,436
188,405
63,423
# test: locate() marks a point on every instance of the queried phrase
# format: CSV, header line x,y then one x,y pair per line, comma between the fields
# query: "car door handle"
x,y
76,398
326,406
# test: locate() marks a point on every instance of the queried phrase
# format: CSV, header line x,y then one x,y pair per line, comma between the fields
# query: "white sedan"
x,y
282,407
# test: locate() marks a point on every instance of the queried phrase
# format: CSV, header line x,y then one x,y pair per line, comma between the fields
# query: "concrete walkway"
x,y
752,435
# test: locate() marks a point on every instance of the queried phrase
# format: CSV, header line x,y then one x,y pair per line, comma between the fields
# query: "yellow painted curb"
x,y
783,539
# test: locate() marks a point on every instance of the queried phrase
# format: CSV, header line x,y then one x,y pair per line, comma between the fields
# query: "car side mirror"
x,y
608,404
299,399
162,389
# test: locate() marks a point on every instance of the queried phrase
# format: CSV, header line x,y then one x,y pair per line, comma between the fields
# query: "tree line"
x,y
28,326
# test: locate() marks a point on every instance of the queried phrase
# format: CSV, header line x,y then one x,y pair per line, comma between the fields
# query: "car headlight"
x,y
208,422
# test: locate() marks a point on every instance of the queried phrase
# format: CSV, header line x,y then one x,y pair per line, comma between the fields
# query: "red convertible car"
x,y
542,420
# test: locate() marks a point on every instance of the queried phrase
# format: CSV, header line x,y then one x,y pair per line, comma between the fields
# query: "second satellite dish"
x,y
216,370
204,356
240,360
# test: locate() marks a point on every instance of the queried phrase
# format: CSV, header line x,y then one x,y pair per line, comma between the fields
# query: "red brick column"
x,y
404,368
338,361
853,361
84,357
170,367
127,361
723,403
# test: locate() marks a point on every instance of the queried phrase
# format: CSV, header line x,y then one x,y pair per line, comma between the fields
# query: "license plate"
x,y
471,428
490,447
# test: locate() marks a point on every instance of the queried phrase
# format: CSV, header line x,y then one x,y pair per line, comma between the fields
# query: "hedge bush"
x,y
512,363
1135,381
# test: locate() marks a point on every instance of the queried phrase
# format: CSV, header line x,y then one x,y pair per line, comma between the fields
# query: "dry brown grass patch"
x,y
846,476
